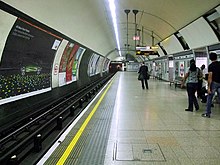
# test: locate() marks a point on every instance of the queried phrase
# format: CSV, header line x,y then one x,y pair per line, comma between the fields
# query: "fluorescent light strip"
x,y
114,20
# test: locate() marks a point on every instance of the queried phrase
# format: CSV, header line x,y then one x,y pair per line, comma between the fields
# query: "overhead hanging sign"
x,y
146,50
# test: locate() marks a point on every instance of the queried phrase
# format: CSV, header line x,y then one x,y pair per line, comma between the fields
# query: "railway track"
x,y
26,141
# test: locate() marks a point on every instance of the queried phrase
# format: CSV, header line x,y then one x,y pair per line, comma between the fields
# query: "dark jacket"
x,y
144,71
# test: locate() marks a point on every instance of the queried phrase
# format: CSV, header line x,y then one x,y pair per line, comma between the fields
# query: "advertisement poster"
x,y
63,64
92,64
90,69
26,64
99,64
66,71
106,64
181,67
78,58
70,64
96,71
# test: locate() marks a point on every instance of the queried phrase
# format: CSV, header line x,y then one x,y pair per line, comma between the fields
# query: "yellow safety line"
x,y
80,131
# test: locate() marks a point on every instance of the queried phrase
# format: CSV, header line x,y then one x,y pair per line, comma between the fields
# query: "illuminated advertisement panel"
x,y
26,63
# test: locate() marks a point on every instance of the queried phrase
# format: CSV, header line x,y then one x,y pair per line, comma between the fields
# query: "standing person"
x,y
213,82
200,82
191,86
144,71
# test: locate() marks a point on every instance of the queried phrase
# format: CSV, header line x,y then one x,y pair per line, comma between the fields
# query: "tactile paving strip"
x,y
91,147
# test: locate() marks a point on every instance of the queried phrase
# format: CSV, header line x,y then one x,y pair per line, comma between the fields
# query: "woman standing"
x,y
192,85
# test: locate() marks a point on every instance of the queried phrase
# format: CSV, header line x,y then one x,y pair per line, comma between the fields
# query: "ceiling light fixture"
x,y
127,11
114,20
135,15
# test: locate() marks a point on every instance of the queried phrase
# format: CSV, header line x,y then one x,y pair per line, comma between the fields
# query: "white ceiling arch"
x,y
89,21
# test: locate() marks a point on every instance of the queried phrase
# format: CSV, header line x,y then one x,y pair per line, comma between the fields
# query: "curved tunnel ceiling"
x,y
89,21
161,18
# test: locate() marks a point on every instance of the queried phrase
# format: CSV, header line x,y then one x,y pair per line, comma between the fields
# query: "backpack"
x,y
200,74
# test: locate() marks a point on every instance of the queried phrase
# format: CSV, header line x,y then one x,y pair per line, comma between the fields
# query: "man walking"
x,y
144,72
213,82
